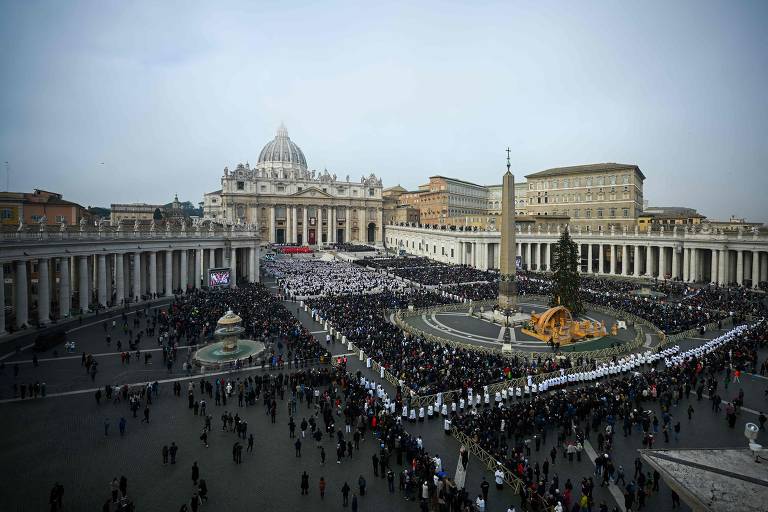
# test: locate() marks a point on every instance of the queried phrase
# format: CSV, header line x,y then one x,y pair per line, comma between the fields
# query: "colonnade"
x,y
79,279
299,228
689,257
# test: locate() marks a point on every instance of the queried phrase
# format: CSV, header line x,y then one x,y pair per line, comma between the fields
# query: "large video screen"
x,y
219,277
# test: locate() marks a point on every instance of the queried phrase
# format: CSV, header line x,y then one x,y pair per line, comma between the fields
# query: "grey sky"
x,y
166,94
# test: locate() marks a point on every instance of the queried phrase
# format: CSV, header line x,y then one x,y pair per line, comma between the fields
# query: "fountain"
x,y
229,347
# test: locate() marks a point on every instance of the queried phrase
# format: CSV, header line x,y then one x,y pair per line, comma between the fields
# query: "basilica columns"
x,y
65,298
713,267
348,226
625,259
305,226
43,291
648,260
612,267
528,256
549,257
739,267
662,262
272,225
637,261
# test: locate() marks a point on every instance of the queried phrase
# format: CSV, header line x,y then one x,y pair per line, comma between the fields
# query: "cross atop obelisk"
x,y
507,287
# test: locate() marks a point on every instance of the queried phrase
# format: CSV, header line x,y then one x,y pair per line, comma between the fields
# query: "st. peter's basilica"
x,y
291,204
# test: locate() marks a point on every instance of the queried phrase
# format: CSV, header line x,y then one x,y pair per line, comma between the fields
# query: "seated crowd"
x,y
312,277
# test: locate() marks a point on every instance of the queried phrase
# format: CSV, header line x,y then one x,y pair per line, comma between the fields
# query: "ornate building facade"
x,y
290,204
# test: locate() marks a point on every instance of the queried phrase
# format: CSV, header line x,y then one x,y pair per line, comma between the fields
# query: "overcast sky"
x,y
166,94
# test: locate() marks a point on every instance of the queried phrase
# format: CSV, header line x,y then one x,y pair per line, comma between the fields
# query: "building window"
x,y
36,218
599,213
240,185
565,183
589,197
613,180
589,213
612,213
600,181
576,213
589,182
61,219
263,188
300,189
7,213
625,212
625,179
371,192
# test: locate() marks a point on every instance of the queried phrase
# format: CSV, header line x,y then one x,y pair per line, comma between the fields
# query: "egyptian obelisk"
x,y
507,286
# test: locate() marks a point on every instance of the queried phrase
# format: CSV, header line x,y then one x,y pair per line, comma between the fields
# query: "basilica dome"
x,y
281,152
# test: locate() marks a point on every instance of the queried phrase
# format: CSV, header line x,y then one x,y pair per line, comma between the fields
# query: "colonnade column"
x,y
22,301
648,260
168,273
589,258
119,280
637,261
755,268
722,264
153,274
43,291
184,272
288,224
537,255
136,276
625,259
82,285
662,262
713,267
65,300
739,267
233,266
198,268
600,268
305,226
612,266
2,298
528,256
101,273
549,257
686,264
675,265
763,266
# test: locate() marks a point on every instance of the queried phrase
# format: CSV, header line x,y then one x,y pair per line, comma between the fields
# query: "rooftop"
x,y
587,169
716,479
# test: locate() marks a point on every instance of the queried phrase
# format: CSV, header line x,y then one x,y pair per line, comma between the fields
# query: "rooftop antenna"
x,y
508,164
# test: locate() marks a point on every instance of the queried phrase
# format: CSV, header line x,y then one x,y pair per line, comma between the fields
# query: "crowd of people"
x,y
309,277
430,273
424,367
510,431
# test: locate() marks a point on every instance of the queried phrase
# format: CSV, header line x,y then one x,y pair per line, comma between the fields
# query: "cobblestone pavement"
x,y
61,438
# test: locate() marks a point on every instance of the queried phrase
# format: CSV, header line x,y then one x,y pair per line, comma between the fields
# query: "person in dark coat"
x,y
304,483
195,473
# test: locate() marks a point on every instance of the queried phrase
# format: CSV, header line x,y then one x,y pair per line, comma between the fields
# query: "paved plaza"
x,y
61,438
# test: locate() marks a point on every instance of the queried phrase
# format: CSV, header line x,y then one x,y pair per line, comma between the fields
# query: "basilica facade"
x,y
290,204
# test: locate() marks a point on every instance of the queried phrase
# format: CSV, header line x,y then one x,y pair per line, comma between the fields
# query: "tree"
x,y
565,269
158,215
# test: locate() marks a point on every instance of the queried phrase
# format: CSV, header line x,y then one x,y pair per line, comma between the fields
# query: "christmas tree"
x,y
565,269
